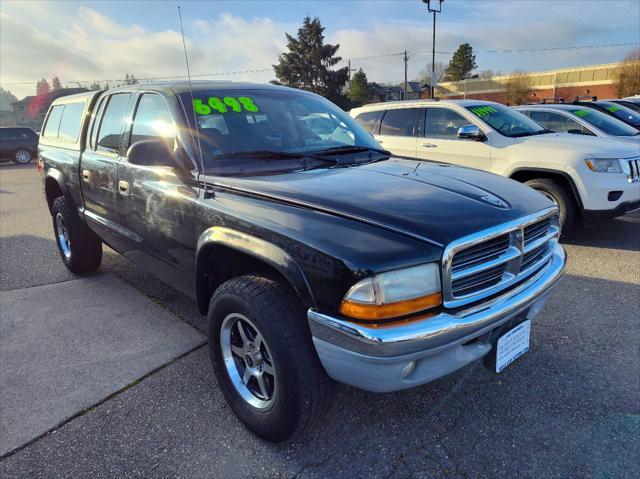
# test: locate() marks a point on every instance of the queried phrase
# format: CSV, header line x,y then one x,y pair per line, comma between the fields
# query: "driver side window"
x,y
558,123
443,123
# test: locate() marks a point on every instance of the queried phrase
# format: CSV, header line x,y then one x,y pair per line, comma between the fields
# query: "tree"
x,y
359,91
55,83
627,81
518,88
425,75
462,63
42,87
487,74
6,99
130,79
95,86
308,63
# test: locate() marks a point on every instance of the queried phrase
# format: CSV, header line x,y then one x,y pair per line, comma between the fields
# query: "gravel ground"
x,y
568,408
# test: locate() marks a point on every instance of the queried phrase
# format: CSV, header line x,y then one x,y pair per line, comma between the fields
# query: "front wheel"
x,y
559,196
264,359
22,156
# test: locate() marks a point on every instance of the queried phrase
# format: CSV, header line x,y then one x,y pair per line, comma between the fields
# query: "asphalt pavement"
x,y
570,407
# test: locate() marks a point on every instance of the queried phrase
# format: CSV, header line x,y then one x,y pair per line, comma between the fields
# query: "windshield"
x,y
605,122
619,111
235,123
507,121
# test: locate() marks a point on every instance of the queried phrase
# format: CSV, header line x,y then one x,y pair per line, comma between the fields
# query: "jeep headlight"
x,y
604,165
394,294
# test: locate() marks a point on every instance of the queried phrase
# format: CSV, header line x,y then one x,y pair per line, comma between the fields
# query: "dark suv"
x,y
18,143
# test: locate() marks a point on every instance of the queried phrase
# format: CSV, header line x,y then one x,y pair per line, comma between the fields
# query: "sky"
x,y
240,40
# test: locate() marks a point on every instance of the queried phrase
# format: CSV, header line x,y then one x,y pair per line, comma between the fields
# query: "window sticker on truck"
x,y
582,113
483,111
233,104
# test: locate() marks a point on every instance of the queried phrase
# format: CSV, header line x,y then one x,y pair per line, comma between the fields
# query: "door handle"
x,y
428,145
123,186
86,176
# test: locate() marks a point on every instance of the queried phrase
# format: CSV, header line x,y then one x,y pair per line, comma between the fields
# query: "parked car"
x,y
632,102
18,143
588,178
314,257
568,118
621,112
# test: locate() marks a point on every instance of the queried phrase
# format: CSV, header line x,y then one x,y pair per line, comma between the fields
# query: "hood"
x,y
634,140
598,147
431,201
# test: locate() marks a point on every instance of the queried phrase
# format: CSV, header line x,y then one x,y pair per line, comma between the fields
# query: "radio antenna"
x,y
198,144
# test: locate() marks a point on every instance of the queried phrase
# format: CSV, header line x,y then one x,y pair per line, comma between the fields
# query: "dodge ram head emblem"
x,y
493,200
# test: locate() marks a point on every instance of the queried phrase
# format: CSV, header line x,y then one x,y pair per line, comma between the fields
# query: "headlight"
x,y
394,294
604,165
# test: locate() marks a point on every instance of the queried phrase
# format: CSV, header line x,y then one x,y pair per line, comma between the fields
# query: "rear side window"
x,y
443,123
368,120
53,122
400,122
152,120
71,121
112,123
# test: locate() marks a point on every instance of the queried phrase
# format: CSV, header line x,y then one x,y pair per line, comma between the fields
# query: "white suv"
x,y
589,178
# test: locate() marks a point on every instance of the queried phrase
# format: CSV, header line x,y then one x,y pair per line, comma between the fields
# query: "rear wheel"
x,y
559,196
264,359
22,156
79,247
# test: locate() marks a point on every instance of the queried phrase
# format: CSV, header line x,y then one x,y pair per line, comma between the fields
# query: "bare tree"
x,y
518,88
627,80
425,75
486,74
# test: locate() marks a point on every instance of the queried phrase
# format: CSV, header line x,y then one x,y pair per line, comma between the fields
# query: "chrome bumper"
x,y
399,357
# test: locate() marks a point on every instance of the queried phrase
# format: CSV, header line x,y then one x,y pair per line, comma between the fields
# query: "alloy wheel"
x,y
63,236
23,157
248,361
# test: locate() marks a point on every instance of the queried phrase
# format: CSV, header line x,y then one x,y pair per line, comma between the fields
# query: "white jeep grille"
x,y
490,261
634,169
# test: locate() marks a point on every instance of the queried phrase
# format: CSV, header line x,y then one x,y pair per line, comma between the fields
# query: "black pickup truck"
x,y
315,254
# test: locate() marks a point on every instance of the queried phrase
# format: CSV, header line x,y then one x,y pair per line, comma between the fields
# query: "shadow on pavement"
x,y
620,233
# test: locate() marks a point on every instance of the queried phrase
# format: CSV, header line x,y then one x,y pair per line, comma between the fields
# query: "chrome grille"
x,y
634,169
487,262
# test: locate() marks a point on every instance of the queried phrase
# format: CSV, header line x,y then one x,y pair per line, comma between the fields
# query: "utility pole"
x,y
434,6
406,60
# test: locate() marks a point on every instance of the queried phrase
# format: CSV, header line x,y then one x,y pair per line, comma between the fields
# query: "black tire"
x,y
82,250
559,194
22,156
302,391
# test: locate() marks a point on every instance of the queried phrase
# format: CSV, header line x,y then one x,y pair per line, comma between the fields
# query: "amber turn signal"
x,y
376,312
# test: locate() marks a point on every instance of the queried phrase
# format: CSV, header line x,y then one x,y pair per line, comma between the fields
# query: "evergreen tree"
x,y
130,79
6,99
42,87
308,63
462,64
55,83
359,91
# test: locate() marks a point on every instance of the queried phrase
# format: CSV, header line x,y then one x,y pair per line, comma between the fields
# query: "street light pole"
x,y
433,6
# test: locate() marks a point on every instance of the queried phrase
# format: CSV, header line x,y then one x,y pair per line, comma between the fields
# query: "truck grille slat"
x,y
634,169
484,264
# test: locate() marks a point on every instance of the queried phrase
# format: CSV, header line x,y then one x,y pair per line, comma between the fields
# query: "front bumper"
x,y
594,216
394,358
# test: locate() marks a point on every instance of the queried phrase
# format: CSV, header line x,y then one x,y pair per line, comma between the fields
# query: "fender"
x,y
256,248
564,174
59,178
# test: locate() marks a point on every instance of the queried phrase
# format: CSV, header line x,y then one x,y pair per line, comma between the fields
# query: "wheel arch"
x,y
526,174
55,186
235,253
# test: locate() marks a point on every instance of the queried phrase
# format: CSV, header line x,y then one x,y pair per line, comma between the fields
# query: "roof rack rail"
x,y
585,98
546,101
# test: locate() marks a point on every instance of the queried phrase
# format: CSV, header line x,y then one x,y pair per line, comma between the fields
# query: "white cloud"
x,y
79,43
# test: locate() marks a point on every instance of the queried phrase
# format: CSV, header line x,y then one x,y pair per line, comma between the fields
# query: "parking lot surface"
x,y
568,408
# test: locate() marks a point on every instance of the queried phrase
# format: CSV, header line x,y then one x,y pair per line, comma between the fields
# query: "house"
x,y
31,110
385,92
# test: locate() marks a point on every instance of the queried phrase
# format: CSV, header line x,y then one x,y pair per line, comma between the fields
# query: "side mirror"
x,y
471,132
151,153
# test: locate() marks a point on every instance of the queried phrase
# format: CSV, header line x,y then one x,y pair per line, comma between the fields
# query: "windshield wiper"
x,y
351,149
532,133
272,155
